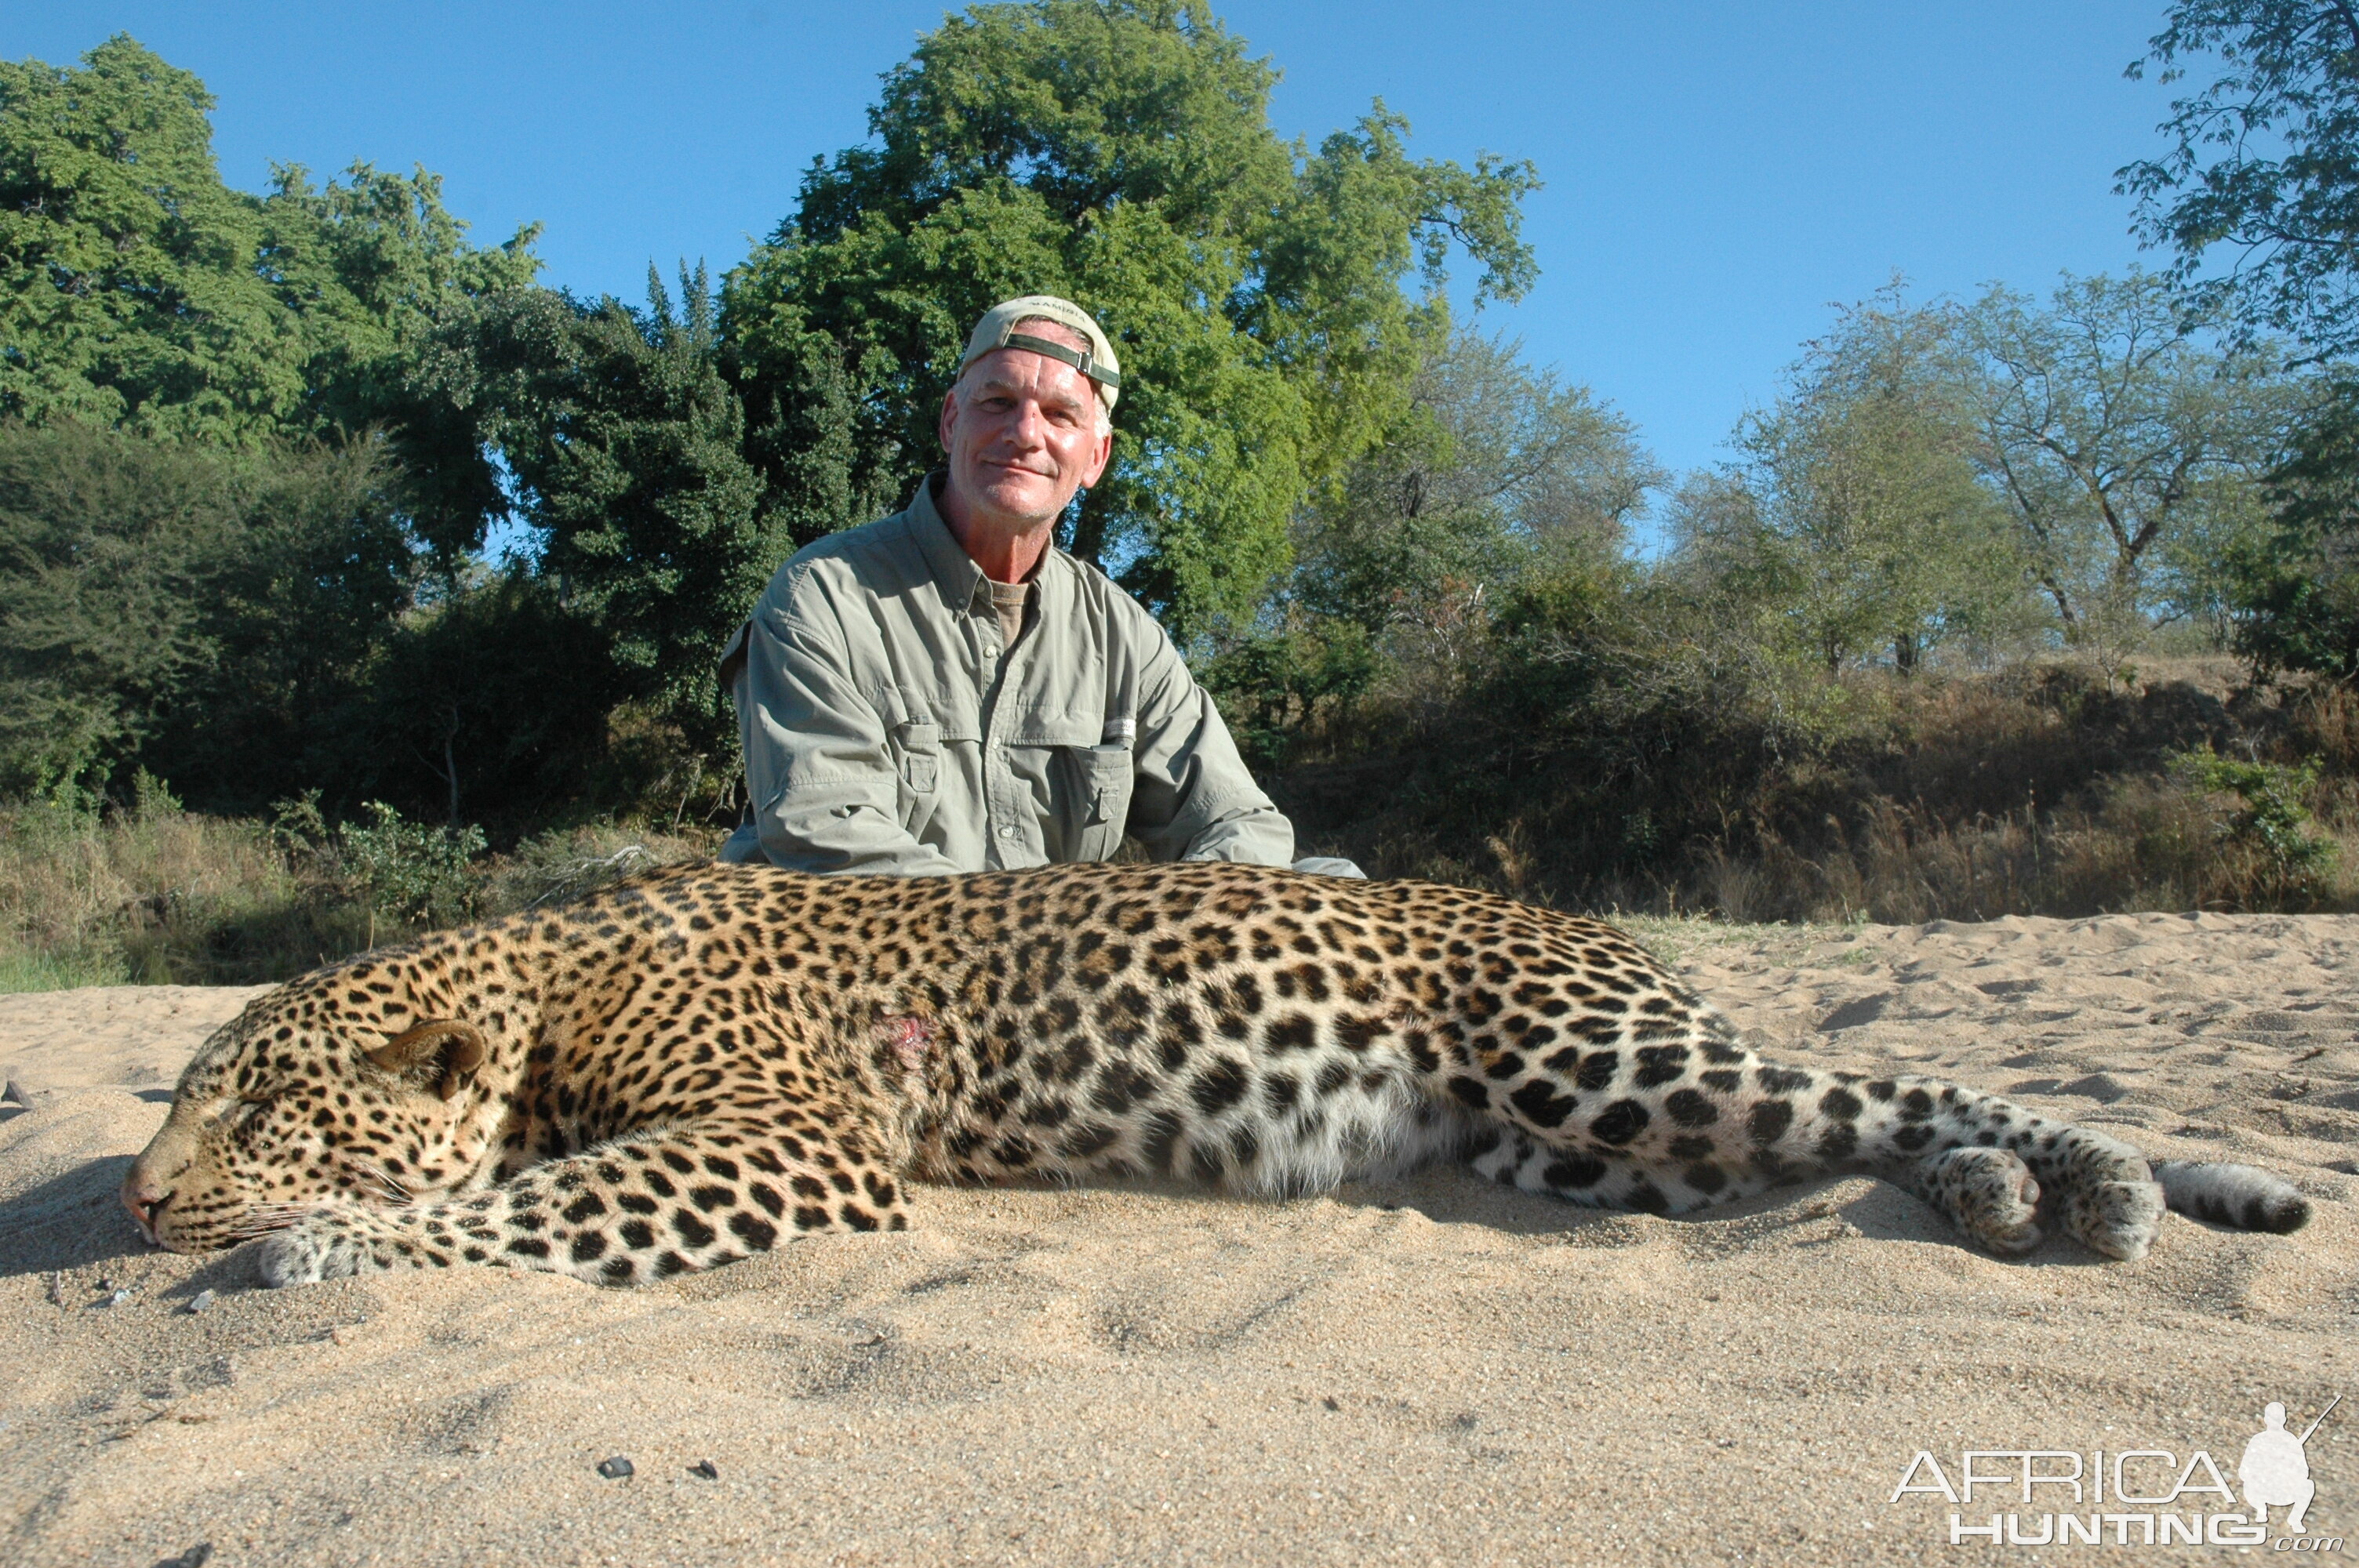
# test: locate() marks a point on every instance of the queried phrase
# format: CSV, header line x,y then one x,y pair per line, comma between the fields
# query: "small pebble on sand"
x,y
706,1468
615,1469
200,1302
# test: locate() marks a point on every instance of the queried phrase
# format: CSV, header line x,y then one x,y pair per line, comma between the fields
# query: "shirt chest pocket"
x,y
920,746
1100,778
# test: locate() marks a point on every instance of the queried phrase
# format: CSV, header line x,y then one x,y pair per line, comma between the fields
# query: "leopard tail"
x,y
2238,1196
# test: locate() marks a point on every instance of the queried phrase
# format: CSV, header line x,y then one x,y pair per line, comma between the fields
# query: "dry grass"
x,y
159,895
2151,843
2031,790
156,895
2020,792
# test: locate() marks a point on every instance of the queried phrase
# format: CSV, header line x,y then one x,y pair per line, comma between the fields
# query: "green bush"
x,y
411,872
2274,817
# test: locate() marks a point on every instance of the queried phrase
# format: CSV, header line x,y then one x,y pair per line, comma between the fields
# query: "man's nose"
x,y
1029,428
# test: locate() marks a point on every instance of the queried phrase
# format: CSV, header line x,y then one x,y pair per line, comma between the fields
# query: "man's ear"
x,y
442,1049
1098,468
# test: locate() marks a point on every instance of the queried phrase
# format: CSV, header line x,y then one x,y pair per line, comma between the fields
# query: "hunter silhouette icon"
x,y
2275,1468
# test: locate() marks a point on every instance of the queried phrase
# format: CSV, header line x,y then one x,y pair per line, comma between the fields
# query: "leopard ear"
x,y
456,1047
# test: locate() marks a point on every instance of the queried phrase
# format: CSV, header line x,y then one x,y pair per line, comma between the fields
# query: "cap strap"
x,y
1078,358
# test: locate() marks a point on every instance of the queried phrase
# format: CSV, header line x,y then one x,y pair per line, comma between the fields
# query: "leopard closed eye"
x,y
692,1067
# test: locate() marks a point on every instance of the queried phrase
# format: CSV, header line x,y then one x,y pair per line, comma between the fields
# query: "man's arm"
x,y
816,766
1192,798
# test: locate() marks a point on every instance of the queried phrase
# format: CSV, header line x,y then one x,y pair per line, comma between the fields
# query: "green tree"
x,y
494,704
108,547
1492,468
2128,442
137,289
131,294
1493,473
295,614
2292,589
372,267
2263,163
210,616
1855,521
2263,170
626,445
1119,152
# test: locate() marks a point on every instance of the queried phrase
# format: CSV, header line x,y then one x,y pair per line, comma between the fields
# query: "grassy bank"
x,y
2029,791
154,895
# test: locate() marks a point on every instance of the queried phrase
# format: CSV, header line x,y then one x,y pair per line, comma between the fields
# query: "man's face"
x,y
1021,431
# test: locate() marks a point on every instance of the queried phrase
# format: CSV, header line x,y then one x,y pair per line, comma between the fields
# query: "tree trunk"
x,y
1088,530
450,762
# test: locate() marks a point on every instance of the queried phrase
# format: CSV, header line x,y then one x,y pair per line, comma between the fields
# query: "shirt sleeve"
x,y
816,766
1192,796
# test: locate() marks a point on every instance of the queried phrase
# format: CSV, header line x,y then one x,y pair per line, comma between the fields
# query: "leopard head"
x,y
321,1092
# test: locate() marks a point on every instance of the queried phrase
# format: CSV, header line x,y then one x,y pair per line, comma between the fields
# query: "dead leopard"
x,y
690,1067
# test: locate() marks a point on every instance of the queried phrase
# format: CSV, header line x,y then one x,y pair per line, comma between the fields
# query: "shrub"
x,y
2273,816
150,894
410,871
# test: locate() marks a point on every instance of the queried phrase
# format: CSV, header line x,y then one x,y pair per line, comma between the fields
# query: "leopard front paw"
x,y
2119,1218
1988,1194
323,1246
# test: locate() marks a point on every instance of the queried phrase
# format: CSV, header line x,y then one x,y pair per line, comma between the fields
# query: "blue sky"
x,y
1717,173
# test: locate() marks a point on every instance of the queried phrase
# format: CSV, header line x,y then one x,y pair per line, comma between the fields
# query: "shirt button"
x,y
1007,833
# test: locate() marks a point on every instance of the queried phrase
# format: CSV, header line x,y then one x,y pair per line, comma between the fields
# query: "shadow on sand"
x,y
71,1221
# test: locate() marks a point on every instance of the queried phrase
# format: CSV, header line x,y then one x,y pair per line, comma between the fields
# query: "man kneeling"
x,y
946,691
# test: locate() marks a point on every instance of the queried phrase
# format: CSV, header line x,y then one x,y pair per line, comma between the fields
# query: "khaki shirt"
x,y
887,729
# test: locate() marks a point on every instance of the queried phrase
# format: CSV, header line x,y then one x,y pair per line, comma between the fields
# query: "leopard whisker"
x,y
247,1229
391,1186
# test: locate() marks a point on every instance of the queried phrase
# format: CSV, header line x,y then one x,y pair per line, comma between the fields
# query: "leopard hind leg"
x,y
1984,1161
1989,1193
1694,1118
1597,1178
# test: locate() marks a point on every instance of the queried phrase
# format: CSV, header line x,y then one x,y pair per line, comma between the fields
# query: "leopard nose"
x,y
146,1199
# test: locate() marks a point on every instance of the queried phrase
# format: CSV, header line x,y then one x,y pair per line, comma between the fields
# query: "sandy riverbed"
x,y
1427,1371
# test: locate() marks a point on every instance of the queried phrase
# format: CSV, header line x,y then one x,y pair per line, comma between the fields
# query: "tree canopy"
x,y
2122,430
1119,152
2263,162
138,290
1860,517
625,445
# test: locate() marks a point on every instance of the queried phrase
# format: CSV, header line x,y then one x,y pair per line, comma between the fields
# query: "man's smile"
x,y
1009,465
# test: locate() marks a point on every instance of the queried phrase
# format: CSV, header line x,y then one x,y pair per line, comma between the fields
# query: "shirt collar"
x,y
953,570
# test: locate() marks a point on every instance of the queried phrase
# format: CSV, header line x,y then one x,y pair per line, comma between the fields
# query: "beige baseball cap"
x,y
997,330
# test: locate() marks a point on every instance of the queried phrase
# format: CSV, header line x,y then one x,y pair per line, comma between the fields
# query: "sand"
x,y
1424,1371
